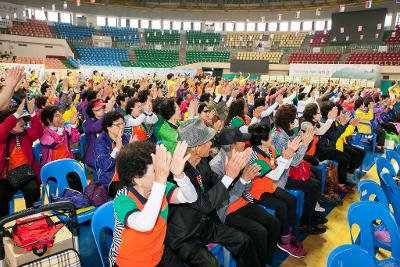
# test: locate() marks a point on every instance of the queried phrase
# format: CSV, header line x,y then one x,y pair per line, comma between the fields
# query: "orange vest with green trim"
x,y
263,184
139,249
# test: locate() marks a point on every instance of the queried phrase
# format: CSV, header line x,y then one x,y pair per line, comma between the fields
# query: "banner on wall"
x,y
319,80
134,73
348,71
11,9
39,68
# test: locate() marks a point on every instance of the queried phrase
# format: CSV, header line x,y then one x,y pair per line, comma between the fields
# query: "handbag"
x,y
35,233
21,175
301,172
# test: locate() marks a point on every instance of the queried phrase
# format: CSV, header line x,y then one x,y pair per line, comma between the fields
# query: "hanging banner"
x,y
11,9
38,68
134,73
349,71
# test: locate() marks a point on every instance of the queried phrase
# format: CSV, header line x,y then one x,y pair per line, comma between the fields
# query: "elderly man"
x,y
192,226
239,211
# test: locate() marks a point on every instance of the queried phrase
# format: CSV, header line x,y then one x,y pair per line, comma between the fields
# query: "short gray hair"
x,y
227,148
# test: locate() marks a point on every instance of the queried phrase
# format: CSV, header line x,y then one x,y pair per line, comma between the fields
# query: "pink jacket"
x,y
50,140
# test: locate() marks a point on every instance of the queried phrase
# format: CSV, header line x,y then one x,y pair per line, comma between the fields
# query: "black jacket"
x,y
329,139
187,222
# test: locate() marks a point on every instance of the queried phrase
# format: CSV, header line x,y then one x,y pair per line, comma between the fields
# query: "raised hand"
x,y
218,126
179,159
308,136
211,114
110,104
344,118
250,98
161,164
20,109
251,171
295,143
257,112
354,122
332,114
30,105
134,138
13,77
193,108
74,118
236,163
279,99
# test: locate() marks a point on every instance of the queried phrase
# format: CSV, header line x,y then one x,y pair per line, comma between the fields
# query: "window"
x,y
166,25
112,22
101,21
187,25
284,26
261,26
156,24
295,26
219,26
388,20
229,26
123,22
65,17
40,15
52,16
176,25
272,26
197,26
329,25
307,25
397,19
240,26
251,26
320,25
134,23
29,13
144,23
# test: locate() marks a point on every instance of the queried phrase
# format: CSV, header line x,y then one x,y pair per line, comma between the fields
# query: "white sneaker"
x,y
319,208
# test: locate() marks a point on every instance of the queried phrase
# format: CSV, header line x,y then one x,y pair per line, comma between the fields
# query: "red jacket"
x,y
26,138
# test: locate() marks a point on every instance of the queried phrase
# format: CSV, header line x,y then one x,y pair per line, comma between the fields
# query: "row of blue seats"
x,y
69,31
379,203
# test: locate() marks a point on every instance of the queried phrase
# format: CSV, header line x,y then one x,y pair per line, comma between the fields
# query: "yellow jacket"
x,y
342,139
67,114
365,117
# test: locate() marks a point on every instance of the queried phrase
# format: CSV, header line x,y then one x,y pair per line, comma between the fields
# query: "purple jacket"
x,y
104,162
92,128
378,110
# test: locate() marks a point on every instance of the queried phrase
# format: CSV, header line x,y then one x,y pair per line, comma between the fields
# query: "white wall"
x,y
35,47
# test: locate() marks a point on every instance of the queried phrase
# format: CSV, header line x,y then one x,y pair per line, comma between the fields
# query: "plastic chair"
x,y
360,136
300,200
349,256
392,193
16,196
391,154
364,214
37,152
383,164
58,170
366,188
102,219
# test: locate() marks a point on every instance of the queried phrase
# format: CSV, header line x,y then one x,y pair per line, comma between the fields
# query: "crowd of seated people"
x,y
190,161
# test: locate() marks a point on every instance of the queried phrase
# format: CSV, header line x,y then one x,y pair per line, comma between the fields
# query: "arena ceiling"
x,y
233,4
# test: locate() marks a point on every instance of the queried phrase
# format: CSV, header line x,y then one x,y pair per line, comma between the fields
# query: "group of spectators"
x,y
191,161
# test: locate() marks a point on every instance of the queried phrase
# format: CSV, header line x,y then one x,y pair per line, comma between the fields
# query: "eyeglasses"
x,y
120,125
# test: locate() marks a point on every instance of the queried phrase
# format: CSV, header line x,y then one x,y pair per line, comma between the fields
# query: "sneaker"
x,y
295,242
313,229
319,220
291,250
319,208
383,236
